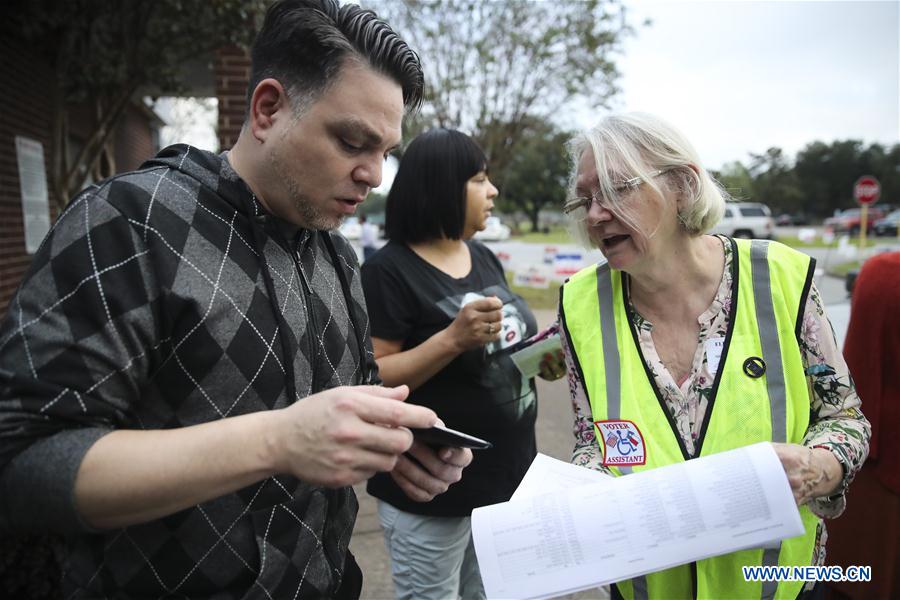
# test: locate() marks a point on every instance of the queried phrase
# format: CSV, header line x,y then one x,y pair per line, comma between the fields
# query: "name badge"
x,y
622,443
714,347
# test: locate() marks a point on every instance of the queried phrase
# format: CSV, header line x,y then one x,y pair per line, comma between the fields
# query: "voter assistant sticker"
x,y
622,443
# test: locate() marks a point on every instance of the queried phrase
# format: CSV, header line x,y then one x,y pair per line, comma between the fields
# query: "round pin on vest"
x,y
754,367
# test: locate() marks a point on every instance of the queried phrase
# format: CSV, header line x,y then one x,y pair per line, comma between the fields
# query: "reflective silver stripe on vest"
x,y
770,559
613,378
639,587
771,349
610,347
768,337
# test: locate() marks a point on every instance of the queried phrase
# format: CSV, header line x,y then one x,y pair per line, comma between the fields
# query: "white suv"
x,y
494,231
746,220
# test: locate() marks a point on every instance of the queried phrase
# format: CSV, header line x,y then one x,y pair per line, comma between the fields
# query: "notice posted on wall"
x,y
33,186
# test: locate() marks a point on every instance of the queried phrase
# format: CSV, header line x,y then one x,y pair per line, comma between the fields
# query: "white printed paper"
x,y
547,473
528,359
583,536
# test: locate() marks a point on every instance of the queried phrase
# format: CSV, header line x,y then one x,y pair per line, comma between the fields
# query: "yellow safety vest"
x,y
771,283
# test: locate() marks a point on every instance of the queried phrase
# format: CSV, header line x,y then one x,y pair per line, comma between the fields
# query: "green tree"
x,y
884,164
736,180
812,169
774,181
826,174
104,53
537,173
820,180
374,205
492,67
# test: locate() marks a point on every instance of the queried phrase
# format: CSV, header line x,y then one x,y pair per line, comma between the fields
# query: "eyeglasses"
x,y
626,186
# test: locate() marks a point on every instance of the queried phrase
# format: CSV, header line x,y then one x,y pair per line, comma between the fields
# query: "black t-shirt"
x,y
480,392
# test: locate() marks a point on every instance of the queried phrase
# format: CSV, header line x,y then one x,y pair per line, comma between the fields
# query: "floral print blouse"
x,y
836,422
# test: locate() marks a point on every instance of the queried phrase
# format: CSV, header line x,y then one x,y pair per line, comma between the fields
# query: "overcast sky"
x,y
739,77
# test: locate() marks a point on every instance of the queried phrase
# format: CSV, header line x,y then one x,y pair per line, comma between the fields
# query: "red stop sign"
x,y
866,190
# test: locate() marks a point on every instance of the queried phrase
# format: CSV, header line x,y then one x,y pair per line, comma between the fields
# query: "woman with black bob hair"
x,y
427,201
442,316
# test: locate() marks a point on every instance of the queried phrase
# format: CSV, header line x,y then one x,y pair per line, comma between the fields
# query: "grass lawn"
x,y
795,242
537,298
840,270
556,236
871,240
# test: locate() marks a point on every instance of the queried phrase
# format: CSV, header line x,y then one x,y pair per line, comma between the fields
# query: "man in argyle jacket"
x,y
186,375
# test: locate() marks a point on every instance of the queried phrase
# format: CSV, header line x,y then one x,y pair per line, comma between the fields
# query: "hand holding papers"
x,y
583,536
528,354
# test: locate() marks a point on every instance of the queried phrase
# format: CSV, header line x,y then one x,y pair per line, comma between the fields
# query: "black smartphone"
x,y
450,438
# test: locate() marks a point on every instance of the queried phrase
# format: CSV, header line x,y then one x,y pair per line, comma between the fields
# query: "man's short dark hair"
x,y
304,43
428,198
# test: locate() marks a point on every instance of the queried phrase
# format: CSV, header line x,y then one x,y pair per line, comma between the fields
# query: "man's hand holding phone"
x,y
434,462
441,436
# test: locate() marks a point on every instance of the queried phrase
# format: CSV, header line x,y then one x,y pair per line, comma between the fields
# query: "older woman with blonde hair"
x,y
693,344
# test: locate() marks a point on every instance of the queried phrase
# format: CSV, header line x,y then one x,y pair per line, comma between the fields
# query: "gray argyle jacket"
x,y
164,298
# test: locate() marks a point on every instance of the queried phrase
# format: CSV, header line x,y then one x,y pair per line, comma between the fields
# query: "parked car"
x,y
746,220
494,231
888,226
350,228
788,220
850,219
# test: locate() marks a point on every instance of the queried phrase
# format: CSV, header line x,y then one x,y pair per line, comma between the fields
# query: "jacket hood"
x,y
211,170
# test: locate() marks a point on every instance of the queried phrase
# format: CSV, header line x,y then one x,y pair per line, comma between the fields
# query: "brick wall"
x,y
232,70
26,109
25,106
134,142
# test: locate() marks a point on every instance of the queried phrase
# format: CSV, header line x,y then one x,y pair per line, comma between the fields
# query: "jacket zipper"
x,y
311,320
